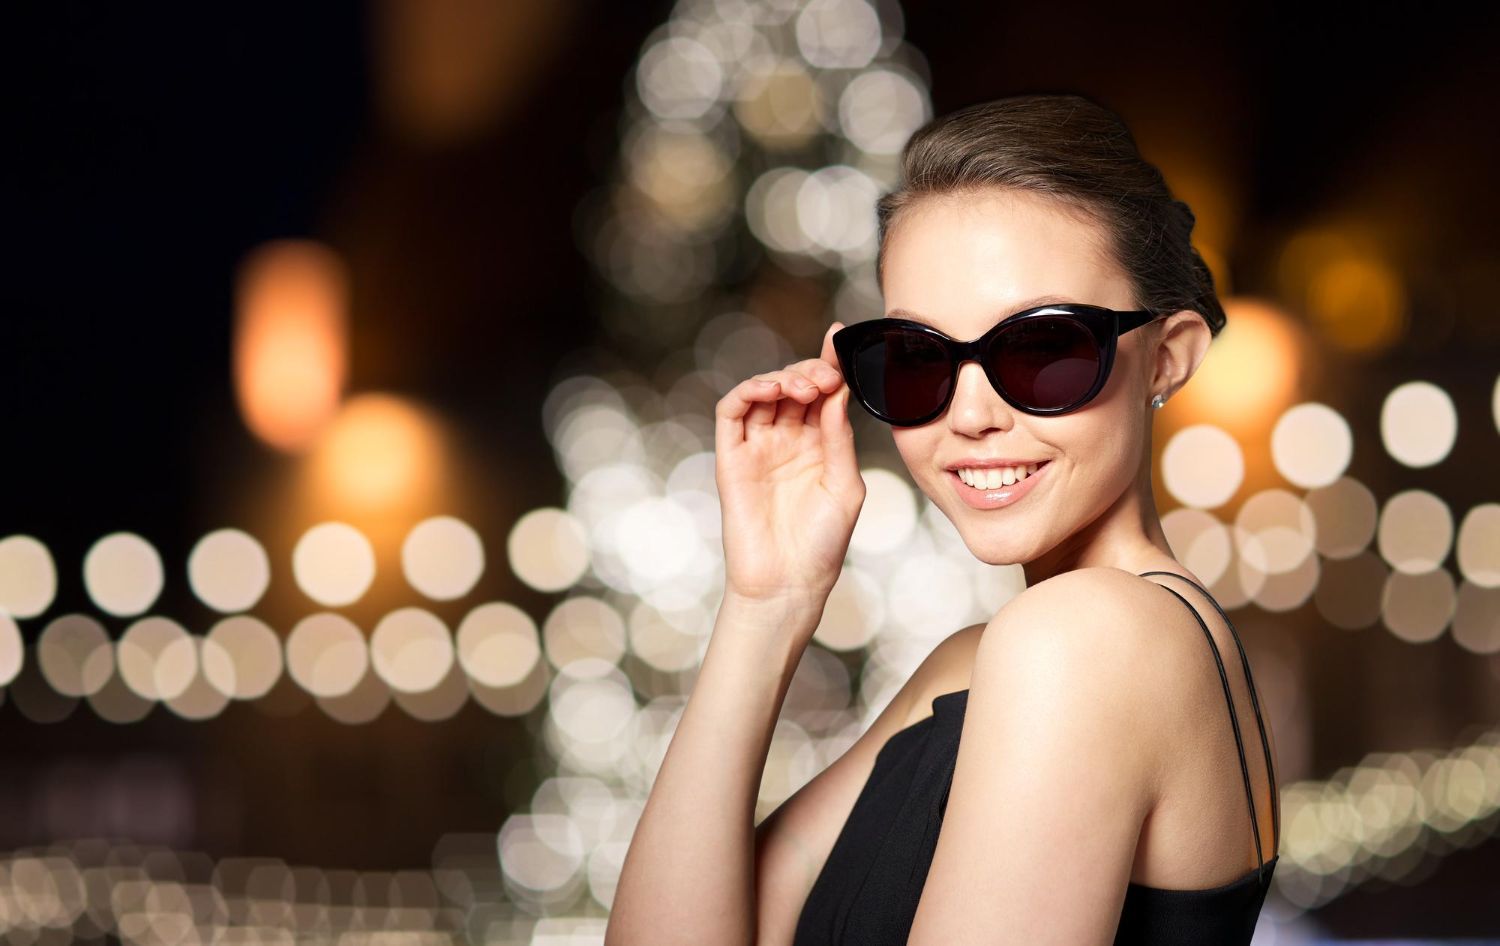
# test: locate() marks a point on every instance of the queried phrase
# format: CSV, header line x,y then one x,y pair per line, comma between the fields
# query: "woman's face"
x,y
962,264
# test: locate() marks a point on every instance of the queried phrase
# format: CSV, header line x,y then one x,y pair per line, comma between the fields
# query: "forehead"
x,y
963,262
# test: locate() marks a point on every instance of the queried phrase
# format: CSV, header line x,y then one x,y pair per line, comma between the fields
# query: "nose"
x,y
976,405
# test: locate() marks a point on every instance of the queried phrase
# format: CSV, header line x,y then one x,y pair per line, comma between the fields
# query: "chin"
x,y
995,553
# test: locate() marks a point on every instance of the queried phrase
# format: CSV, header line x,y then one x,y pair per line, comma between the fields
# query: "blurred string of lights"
x,y
1391,818
752,131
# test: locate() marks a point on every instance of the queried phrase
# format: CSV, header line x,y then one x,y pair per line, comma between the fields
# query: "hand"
x,y
788,480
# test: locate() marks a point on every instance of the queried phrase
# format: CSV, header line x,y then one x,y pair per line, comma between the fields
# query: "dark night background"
x,y
154,147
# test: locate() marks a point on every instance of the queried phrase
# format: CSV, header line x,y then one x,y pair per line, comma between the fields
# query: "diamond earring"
x,y
1158,401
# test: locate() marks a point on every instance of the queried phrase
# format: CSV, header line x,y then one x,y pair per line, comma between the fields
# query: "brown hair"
x,y
1080,153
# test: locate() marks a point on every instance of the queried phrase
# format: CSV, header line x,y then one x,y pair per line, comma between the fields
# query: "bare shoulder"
x,y
1096,606
1096,628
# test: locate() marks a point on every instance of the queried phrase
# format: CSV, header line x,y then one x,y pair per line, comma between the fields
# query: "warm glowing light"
x,y
831,209
12,650
1418,424
498,645
28,577
1416,531
447,70
1202,466
443,558
363,704
1281,525
75,655
157,657
123,574
1200,541
1312,445
229,570
379,452
1346,514
584,636
326,655
290,341
879,109
1251,371
678,78
684,174
777,104
334,564
1340,275
411,650
1359,302
1476,621
242,658
1416,608
838,34
1478,548
548,549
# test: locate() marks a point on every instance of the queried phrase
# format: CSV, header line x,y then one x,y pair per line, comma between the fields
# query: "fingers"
x,y
731,412
785,396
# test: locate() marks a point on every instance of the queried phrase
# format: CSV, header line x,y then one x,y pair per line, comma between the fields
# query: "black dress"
x,y
867,891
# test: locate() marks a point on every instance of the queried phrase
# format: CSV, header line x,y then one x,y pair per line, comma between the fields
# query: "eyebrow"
x,y
1015,310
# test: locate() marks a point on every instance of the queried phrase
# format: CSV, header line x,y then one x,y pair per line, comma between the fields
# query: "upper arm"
x,y
1055,773
792,843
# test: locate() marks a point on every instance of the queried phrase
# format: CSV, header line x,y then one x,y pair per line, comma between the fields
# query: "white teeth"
x,y
996,477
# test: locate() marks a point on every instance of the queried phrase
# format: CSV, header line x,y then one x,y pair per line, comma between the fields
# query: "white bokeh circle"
x,y
334,564
229,570
443,558
28,576
123,574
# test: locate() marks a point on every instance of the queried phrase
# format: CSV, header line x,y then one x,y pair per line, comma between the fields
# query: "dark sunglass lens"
x,y
1048,363
903,374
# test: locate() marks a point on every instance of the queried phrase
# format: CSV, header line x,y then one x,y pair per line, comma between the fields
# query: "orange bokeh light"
x,y
290,341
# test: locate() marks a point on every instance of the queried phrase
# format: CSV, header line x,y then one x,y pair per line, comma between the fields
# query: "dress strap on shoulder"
x,y
1233,716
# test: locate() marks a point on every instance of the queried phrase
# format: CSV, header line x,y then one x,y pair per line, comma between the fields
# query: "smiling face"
x,y
964,263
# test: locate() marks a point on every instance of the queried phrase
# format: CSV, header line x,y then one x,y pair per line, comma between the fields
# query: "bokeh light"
x,y
1478,546
443,558
1251,372
1311,445
498,645
229,570
1416,531
123,574
327,655
1418,424
334,563
242,657
28,576
76,655
1202,466
290,341
157,657
12,649
411,650
379,451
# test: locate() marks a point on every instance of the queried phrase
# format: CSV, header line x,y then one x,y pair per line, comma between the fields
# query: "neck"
x,y
1127,535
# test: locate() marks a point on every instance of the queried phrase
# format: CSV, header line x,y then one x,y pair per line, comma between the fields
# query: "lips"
x,y
1001,496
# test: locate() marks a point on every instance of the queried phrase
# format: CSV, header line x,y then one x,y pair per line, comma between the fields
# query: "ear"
x,y
1182,340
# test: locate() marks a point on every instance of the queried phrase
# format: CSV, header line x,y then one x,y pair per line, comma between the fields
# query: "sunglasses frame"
x,y
1105,325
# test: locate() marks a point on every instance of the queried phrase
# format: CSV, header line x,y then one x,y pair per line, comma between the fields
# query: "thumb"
x,y
840,462
828,353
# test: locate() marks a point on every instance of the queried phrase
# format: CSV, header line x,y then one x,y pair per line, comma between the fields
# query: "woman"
x,y
1072,770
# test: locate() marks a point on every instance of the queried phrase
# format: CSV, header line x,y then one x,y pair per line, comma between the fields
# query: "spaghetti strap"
x,y
1233,716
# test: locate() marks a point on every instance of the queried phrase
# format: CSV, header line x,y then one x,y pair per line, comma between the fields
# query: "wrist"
x,y
774,612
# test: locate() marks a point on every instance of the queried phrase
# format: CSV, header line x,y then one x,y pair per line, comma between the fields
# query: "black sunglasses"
x,y
1048,360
